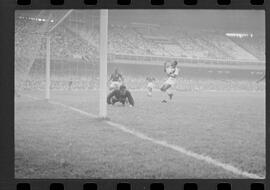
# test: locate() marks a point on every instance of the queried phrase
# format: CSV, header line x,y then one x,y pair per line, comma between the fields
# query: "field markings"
x,y
201,157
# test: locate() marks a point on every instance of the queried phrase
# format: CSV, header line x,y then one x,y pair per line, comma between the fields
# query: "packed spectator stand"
x,y
71,40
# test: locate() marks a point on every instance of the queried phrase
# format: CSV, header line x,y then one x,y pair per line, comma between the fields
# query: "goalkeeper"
x,y
121,95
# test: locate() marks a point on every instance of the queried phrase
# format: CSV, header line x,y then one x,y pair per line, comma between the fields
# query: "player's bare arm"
x,y
130,99
109,97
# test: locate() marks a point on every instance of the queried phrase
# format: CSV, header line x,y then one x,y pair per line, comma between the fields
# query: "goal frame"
x,y
103,61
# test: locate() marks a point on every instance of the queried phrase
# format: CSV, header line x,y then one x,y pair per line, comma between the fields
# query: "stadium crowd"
x,y
139,83
77,41
73,40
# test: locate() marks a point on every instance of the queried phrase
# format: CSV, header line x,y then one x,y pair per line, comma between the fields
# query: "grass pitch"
x,y
55,142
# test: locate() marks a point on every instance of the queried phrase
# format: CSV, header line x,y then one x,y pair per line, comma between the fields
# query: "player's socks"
x,y
170,93
164,97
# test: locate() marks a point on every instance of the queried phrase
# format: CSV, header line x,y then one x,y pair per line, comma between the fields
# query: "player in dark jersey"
x,y
70,84
121,95
116,80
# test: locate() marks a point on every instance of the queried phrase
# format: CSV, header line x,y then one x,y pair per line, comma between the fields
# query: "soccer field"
x,y
197,135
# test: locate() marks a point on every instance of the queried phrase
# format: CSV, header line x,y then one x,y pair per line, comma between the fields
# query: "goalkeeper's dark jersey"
x,y
116,96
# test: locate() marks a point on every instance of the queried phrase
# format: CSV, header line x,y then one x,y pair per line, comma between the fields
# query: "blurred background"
x,y
216,50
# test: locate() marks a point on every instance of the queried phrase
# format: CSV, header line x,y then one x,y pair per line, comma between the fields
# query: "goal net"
x,y
29,31
58,50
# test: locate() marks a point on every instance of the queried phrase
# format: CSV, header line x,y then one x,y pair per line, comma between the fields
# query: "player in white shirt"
x,y
150,85
170,68
116,79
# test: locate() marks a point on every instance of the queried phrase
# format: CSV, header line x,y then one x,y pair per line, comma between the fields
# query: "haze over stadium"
x,y
213,126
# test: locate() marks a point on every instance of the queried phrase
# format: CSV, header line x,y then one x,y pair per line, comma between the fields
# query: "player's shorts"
x,y
115,85
171,81
150,85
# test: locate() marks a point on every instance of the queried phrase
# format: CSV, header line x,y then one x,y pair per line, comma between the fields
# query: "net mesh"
x,y
73,49
28,39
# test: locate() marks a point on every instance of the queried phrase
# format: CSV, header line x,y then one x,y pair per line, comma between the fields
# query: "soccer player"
x,y
121,95
170,68
116,80
150,85
70,84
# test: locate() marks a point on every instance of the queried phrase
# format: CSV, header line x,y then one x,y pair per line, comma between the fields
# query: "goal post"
x,y
103,54
103,60
48,65
48,53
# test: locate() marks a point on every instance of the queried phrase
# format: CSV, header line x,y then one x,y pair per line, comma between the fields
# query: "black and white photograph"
x,y
139,94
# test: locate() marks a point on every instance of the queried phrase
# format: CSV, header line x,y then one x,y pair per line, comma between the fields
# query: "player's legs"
x,y
171,82
150,87
170,93
149,91
69,85
164,89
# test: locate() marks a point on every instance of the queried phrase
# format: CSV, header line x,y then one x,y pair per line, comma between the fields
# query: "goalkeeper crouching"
x,y
121,95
